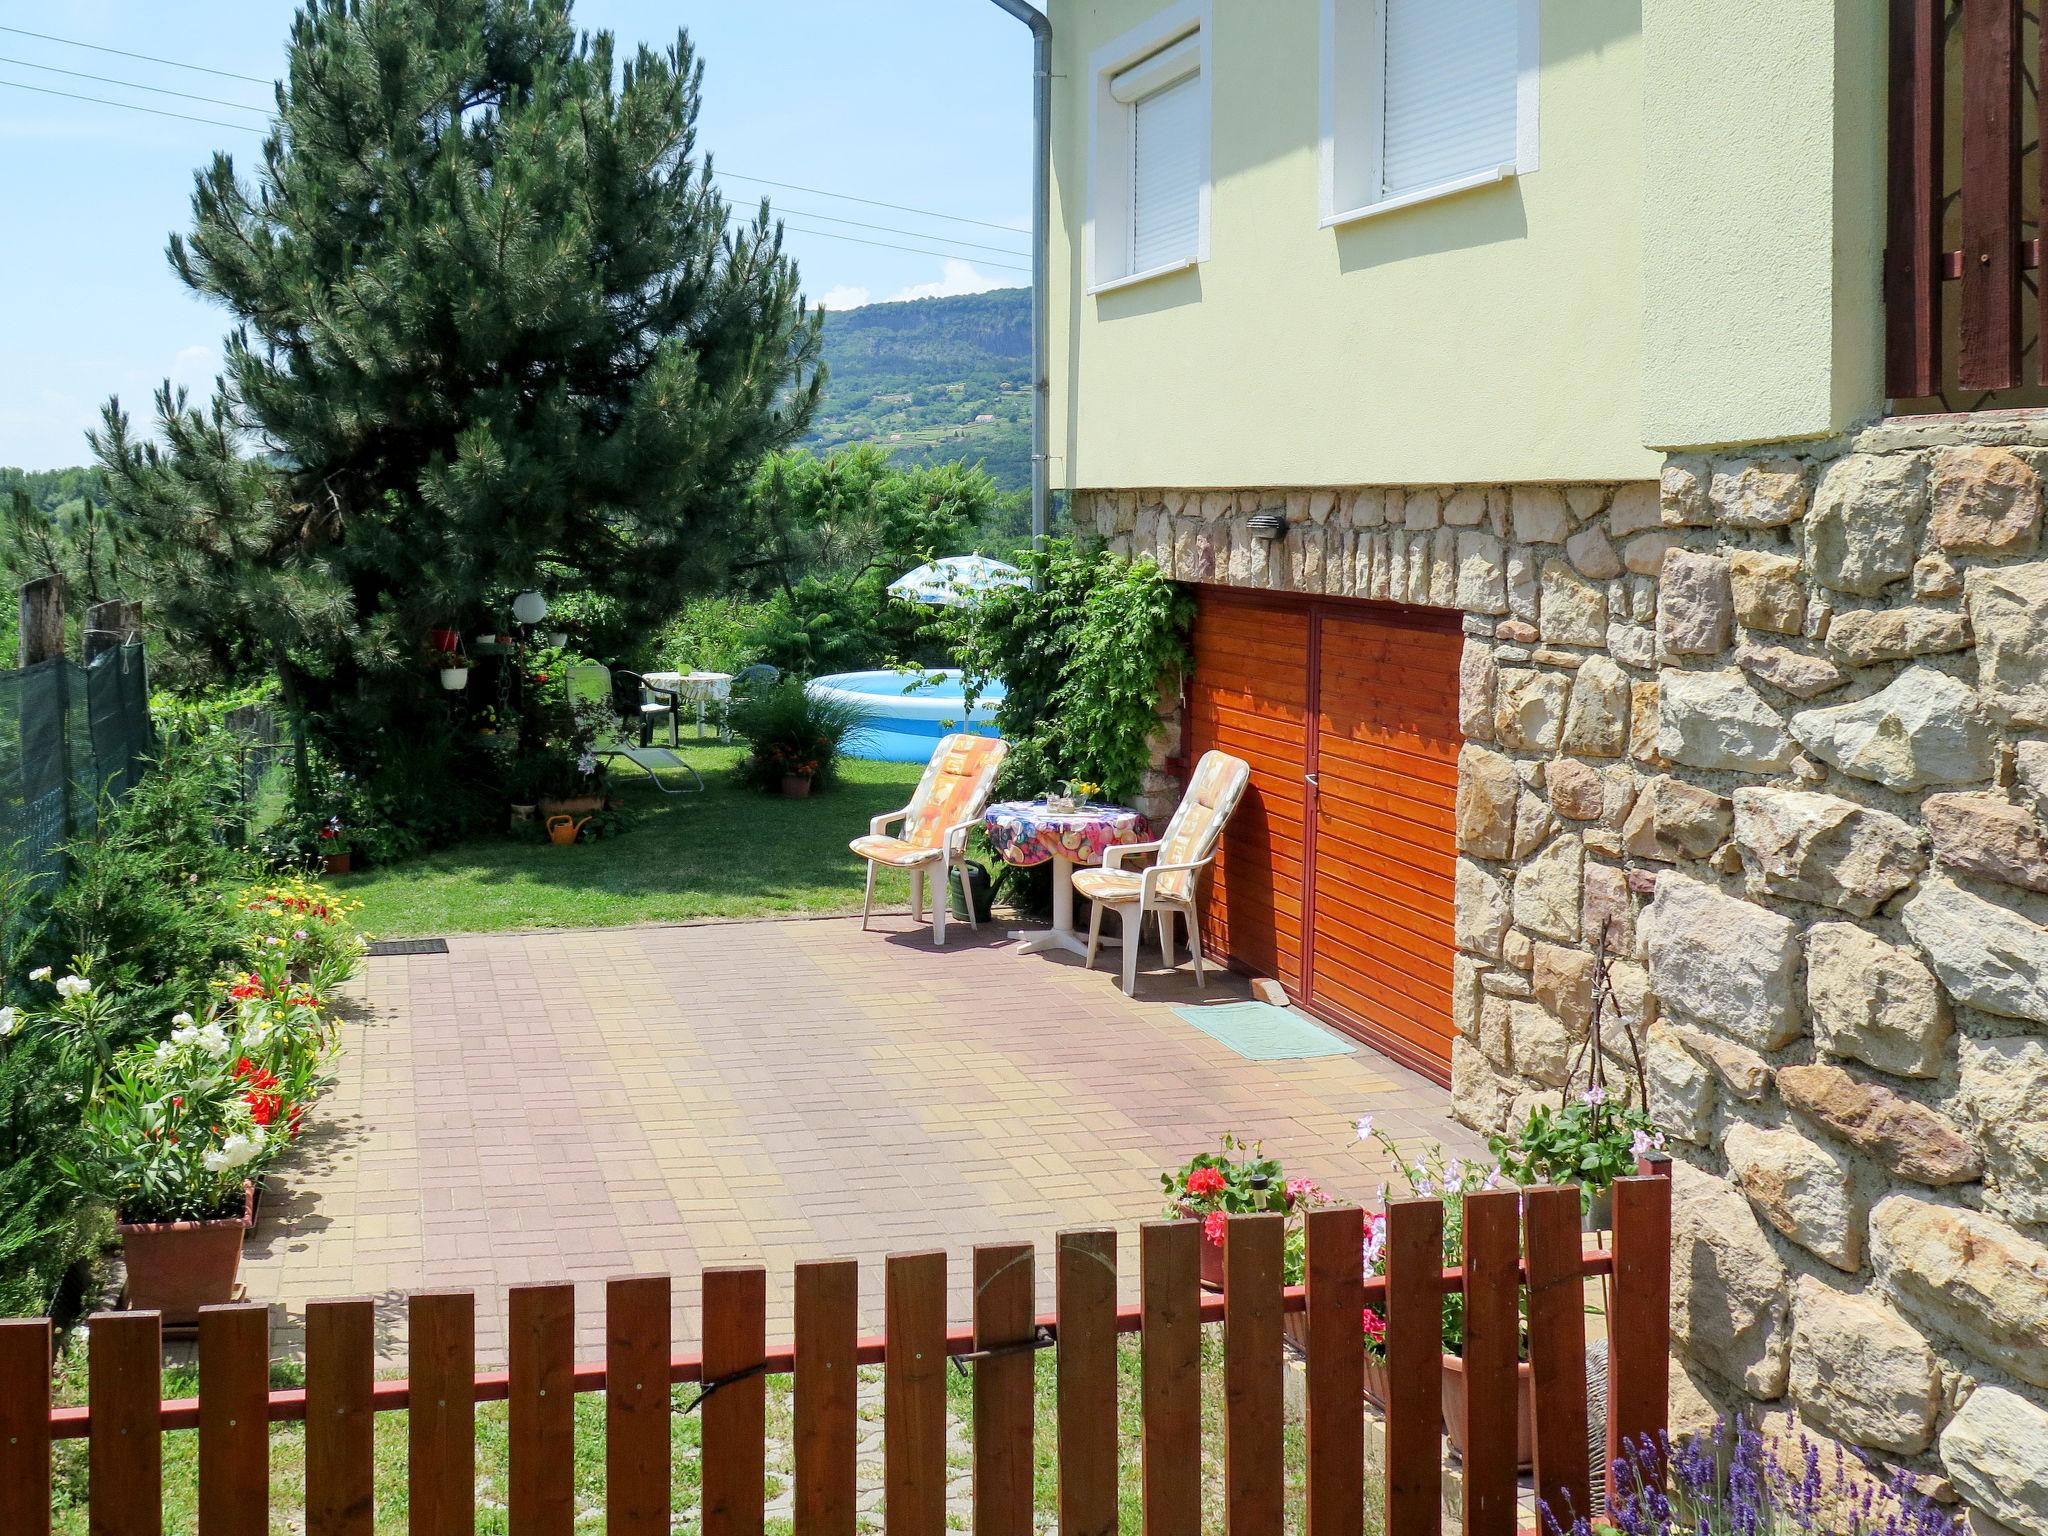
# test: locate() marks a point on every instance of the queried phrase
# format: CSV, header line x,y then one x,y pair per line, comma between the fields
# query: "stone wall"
x,y
1778,729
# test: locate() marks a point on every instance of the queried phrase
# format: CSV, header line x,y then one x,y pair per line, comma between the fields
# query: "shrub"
x,y
1083,654
42,1232
711,634
792,732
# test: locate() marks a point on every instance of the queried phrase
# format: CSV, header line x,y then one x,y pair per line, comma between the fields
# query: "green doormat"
x,y
1261,1032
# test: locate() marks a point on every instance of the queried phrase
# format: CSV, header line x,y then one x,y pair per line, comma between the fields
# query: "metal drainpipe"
x,y
1041,237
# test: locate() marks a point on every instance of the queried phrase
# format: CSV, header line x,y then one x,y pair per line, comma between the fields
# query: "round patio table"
x,y
1029,832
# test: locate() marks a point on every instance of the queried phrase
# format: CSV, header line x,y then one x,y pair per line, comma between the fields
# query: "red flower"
x,y
1213,1227
1375,1326
249,986
1205,1181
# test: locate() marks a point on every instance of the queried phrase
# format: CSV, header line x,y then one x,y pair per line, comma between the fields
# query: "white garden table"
x,y
701,688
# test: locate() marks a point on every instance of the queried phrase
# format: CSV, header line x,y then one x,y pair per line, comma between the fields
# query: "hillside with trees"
x,y
932,381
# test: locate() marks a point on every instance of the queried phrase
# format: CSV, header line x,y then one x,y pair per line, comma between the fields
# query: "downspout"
x,y
1041,263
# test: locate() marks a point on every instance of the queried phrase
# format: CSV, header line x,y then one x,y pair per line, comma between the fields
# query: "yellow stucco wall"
x,y
1695,262
1494,335
1763,175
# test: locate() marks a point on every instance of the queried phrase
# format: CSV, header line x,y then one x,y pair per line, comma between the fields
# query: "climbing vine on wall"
x,y
1083,654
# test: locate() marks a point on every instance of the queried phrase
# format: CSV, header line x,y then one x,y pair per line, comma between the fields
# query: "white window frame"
x,y
1106,235
1353,109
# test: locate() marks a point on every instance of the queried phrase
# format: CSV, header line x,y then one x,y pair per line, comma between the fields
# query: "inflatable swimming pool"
x,y
911,710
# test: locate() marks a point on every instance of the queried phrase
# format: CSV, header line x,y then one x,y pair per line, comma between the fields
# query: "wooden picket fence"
x,y
124,1420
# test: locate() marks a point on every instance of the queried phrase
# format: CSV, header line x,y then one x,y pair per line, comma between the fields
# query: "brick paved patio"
x,y
579,1105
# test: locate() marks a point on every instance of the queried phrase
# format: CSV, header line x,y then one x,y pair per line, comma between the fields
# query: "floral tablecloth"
x,y
1028,832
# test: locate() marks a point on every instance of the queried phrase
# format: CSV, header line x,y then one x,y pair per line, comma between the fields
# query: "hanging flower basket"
x,y
454,679
444,640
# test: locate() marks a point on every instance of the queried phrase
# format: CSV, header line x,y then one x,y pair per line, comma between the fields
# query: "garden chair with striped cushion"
x,y
1168,886
950,797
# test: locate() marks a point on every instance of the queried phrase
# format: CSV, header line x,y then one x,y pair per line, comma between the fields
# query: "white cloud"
x,y
845,296
956,276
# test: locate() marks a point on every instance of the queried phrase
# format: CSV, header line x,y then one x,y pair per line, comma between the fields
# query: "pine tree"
x,y
492,326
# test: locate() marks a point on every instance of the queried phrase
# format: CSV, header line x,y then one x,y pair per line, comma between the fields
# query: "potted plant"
x,y
1591,1142
1450,1181
1237,1180
173,1140
796,738
454,671
334,846
443,641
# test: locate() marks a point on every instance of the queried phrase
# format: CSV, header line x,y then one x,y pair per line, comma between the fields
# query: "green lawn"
x,y
729,852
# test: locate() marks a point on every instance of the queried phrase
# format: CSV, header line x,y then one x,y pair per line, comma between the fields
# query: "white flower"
x,y
586,764
236,1150
216,1162
299,933
1454,1173
40,973
180,1020
1365,1127
73,986
212,1039
9,1017
164,1052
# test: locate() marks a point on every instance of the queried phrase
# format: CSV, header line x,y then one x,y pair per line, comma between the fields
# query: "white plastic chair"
x,y
947,805
1168,886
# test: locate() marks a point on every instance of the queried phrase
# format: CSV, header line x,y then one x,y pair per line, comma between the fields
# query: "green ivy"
x,y
1083,654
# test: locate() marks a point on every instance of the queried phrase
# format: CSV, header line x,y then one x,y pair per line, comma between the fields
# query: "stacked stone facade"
x,y
1774,734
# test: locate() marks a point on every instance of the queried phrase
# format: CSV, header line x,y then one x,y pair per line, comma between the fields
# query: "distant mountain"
x,y
933,379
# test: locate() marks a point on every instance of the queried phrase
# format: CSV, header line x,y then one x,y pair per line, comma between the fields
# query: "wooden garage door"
x,y
1384,860
1347,713
1249,697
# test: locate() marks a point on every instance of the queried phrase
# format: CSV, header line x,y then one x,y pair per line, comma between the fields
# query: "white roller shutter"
x,y
1449,90
1166,175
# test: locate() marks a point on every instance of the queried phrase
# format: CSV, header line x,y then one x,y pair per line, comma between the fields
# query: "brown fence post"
x,y
42,619
637,1455
1005,1293
1087,1382
234,1420
1639,1326
1415,1363
827,1398
341,1374
1557,1351
1170,1353
914,1395
1493,1392
109,626
541,1412
1254,1386
734,1416
125,1458
25,1426
1336,1371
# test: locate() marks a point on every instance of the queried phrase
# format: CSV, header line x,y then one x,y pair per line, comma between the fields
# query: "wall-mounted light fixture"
x,y
1268,525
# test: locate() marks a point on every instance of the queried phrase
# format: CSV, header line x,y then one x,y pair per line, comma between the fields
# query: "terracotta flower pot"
x,y
334,863
1525,1410
1212,1265
177,1267
575,805
796,786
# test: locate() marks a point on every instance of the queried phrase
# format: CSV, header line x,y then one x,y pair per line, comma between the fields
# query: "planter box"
x,y
1525,1410
575,805
335,863
177,1267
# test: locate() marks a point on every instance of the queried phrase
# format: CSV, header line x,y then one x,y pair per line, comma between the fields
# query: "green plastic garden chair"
x,y
596,683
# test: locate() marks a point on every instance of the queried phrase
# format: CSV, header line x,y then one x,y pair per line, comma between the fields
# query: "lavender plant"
x,y
1737,1483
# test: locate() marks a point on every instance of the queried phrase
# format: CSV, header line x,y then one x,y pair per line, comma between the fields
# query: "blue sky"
x,y
917,102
